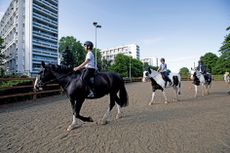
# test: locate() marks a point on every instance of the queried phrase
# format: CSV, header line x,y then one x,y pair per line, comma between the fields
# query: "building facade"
x,y
132,50
150,61
30,32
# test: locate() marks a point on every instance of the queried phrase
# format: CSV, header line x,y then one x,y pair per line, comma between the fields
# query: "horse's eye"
x,y
147,73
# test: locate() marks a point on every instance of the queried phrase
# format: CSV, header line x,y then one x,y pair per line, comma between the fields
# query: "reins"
x,y
58,77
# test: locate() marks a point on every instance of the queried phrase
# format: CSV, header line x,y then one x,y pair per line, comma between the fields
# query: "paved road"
x,y
190,126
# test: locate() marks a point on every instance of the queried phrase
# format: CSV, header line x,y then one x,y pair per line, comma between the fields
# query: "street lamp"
x,y
130,67
96,26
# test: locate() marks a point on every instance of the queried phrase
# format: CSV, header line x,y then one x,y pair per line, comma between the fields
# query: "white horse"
x,y
199,79
227,77
159,84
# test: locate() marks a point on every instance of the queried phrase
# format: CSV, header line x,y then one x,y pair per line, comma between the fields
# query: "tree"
x,y
222,64
146,66
226,44
209,60
105,65
122,65
184,72
67,57
136,68
77,51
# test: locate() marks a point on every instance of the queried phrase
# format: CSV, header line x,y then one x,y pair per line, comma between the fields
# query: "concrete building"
x,y
150,61
129,50
30,32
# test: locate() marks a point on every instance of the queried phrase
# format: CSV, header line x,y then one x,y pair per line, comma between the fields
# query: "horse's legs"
x,y
76,106
152,99
107,113
74,123
195,91
203,90
166,100
119,113
176,89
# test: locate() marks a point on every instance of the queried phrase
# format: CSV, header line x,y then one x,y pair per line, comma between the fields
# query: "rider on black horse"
x,y
89,66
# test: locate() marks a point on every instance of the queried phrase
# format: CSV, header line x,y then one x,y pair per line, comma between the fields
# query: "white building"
x,y
129,50
30,32
150,61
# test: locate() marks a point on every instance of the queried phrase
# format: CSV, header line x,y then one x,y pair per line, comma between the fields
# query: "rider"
x,y
89,66
163,70
201,68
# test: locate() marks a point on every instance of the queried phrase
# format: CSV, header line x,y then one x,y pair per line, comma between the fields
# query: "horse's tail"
x,y
123,100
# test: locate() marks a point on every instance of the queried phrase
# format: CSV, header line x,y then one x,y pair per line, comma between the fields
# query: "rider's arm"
x,y
82,65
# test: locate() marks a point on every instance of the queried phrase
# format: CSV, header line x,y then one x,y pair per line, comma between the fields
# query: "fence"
x,y
23,92
27,92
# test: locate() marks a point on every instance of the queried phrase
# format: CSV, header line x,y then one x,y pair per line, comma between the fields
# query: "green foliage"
x,y
226,44
184,72
76,51
105,65
137,68
12,83
209,60
222,64
122,65
146,66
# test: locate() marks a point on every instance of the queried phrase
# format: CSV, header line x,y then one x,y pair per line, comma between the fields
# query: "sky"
x,y
178,30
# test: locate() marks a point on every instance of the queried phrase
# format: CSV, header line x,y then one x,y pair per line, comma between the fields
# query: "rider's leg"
x,y
86,77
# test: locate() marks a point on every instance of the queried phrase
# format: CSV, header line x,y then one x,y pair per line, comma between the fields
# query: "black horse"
x,y
77,91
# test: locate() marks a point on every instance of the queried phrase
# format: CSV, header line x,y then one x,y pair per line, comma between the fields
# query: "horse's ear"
x,y
149,70
43,64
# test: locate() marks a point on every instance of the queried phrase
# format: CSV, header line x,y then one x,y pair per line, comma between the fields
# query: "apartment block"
x,y
30,32
132,50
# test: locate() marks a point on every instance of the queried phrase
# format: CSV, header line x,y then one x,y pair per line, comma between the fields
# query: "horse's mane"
x,y
59,68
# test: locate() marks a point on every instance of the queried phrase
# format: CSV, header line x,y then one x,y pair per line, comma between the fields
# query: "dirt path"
x,y
190,126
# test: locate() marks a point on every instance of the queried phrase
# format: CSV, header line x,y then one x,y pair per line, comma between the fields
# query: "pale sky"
x,y
180,31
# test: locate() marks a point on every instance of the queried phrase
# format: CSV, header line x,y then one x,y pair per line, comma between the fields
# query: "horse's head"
x,y
193,73
44,76
149,74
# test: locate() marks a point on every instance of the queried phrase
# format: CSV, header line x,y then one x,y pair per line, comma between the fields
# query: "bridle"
x,y
62,76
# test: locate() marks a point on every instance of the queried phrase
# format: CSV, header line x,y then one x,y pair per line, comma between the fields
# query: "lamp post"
x,y
96,25
130,67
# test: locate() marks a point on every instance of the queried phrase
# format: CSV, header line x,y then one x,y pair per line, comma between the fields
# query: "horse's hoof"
x,y
150,103
118,116
166,102
71,127
104,122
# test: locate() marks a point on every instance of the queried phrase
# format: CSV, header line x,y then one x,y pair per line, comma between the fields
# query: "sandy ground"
x,y
199,125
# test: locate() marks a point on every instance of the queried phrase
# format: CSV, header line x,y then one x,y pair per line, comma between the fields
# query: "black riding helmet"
x,y
89,44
